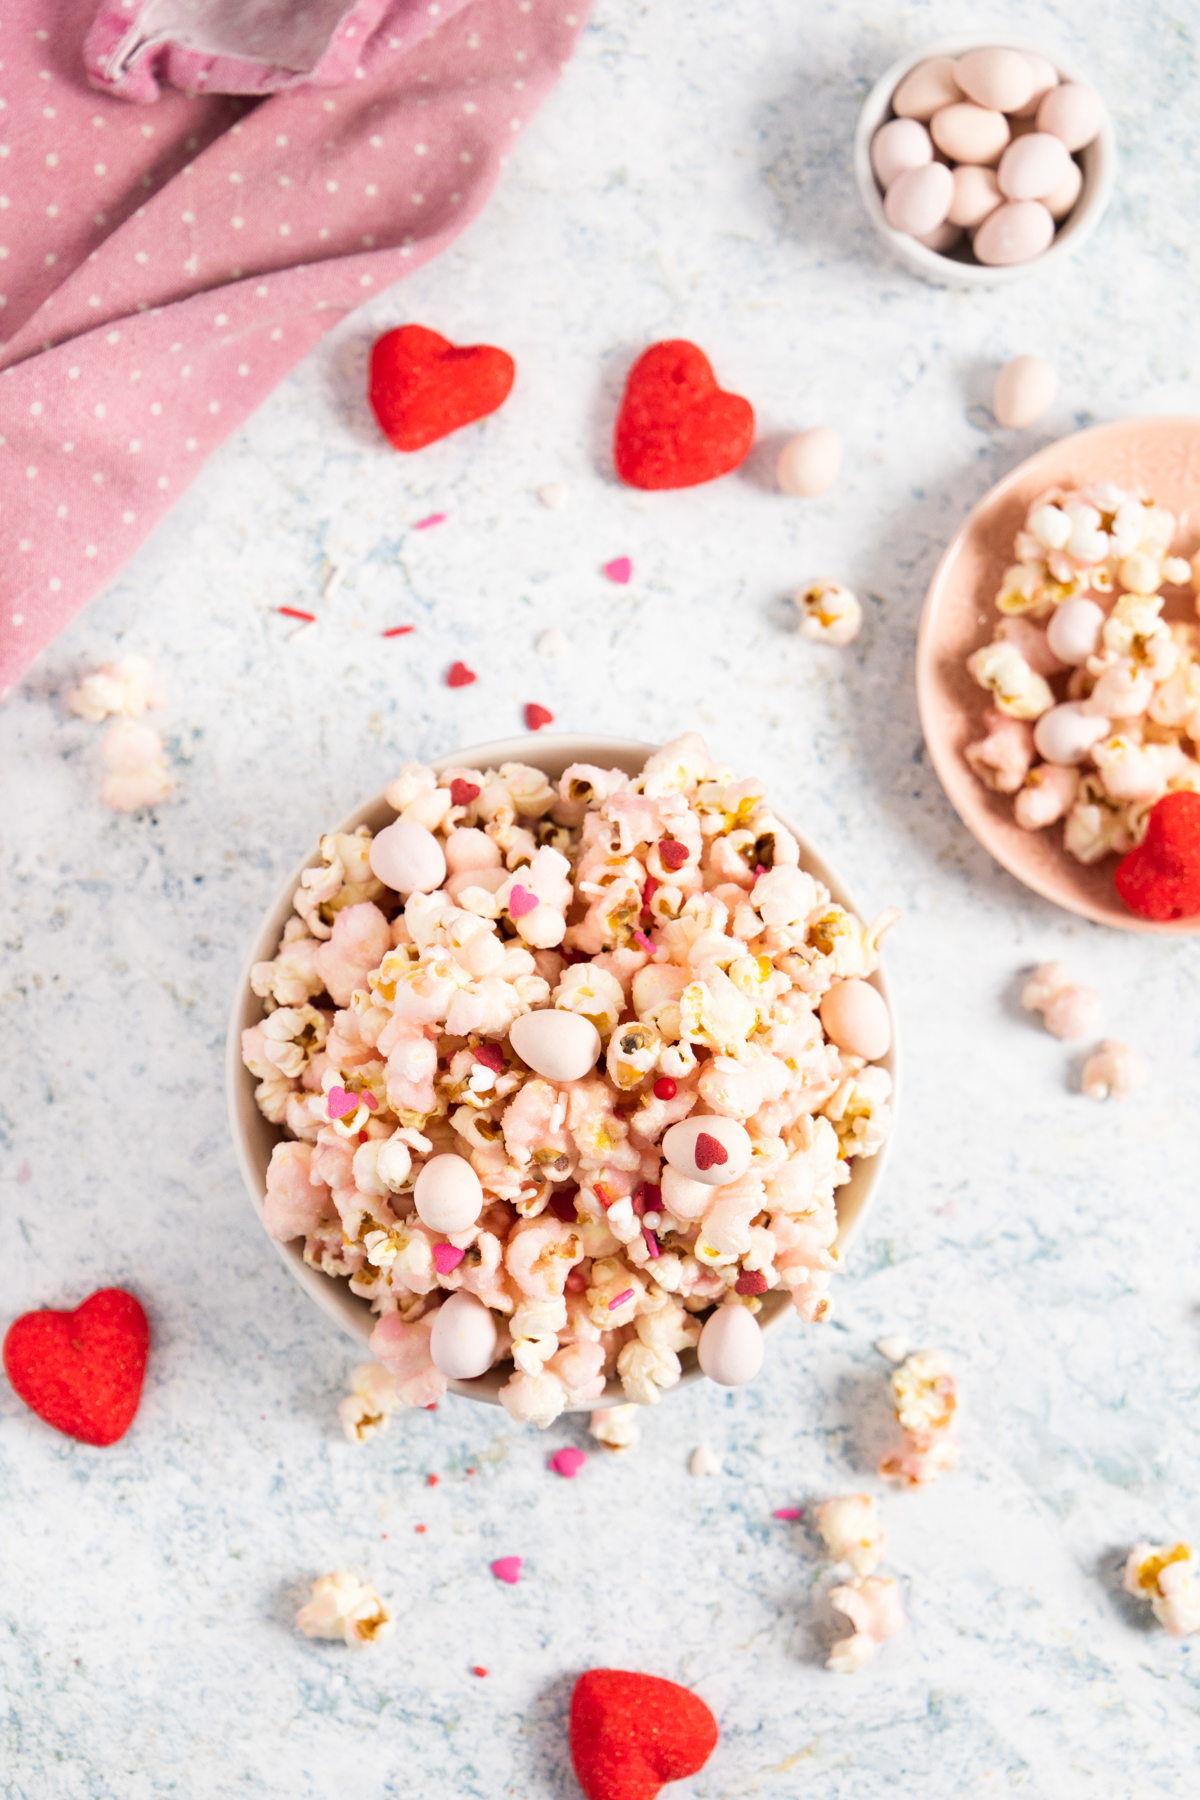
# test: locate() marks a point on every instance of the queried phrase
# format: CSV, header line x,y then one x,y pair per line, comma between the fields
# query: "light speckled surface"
x,y
690,177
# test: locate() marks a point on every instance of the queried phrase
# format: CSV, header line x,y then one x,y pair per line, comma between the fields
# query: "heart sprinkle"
x,y
507,1568
620,570
631,1733
537,716
82,1371
568,1463
521,902
462,792
341,1103
709,1151
459,675
672,854
491,1056
750,1281
447,1257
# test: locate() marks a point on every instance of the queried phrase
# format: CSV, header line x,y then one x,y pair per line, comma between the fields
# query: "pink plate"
x,y
1159,456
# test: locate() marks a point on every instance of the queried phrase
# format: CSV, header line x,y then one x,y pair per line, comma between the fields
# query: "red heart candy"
x,y
458,675
676,427
463,792
1161,878
537,716
709,1151
422,387
631,1733
82,1371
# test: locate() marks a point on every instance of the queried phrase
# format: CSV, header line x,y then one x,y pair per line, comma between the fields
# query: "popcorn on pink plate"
x,y
872,1605
1166,1576
344,1607
926,1402
853,1531
1068,1010
1113,1072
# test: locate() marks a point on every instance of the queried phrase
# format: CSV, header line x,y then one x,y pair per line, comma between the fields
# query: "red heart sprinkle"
x,y
82,1371
750,1281
631,1733
537,716
521,901
459,675
340,1103
1161,878
709,1151
491,1056
671,853
422,387
676,427
463,792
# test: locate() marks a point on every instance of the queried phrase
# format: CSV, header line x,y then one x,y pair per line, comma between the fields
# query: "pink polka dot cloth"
x,y
163,266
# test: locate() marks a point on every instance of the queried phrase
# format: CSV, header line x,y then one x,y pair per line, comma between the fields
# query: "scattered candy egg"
x,y
1033,166
927,88
1025,389
855,1017
1074,630
1071,112
407,857
810,463
562,1046
900,144
919,199
1002,79
976,194
1016,232
463,1341
969,133
1059,203
731,1347
448,1194
1066,733
1045,76
710,1149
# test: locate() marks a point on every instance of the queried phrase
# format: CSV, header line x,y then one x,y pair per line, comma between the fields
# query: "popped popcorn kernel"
x,y
873,1606
372,1400
853,1531
127,688
829,613
1068,1010
926,1401
1114,1072
1166,1575
616,1428
344,1607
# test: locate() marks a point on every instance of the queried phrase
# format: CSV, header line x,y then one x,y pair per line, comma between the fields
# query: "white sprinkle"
x,y
554,495
894,1348
704,1461
552,643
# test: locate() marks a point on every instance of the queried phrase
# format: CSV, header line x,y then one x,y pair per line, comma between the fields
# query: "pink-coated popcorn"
x,y
344,1607
1002,759
297,1200
1114,1072
1047,795
372,1399
403,1349
926,1402
1167,1576
872,1605
358,944
853,1531
1068,1010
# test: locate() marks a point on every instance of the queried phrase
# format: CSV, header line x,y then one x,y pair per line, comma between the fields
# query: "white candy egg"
x,y
463,1340
976,194
711,1149
562,1046
1074,630
448,1194
1034,166
919,200
968,133
926,88
686,1199
900,144
408,858
1025,389
1002,79
810,463
856,1019
1045,76
731,1347
1071,112
1059,203
1016,232
1066,733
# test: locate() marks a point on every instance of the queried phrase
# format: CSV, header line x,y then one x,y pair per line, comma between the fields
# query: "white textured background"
x,y
690,177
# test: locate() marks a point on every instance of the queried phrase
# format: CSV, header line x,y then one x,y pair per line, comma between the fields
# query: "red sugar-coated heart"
x,y
631,1733
676,427
537,716
1161,878
82,1371
709,1151
463,792
672,854
458,675
422,387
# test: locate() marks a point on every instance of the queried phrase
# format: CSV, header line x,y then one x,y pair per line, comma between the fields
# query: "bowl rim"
x,y
1099,157
946,761
331,1294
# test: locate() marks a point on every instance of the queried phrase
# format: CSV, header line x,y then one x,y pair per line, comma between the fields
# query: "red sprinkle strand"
x,y
476,1670
537,716
651,1242
641,938
459,675
664,1088
431,1481
398,631
463,792
602,1194
293,612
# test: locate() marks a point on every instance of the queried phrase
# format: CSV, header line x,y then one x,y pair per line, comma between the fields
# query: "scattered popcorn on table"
x,y
1068,1011
853,1531
616,1427
925,1406
1166,1575
137,774
829,613
372,1399
484,1069
872,1605
127,687
1113,1072
704,1461
1102,695
344,1607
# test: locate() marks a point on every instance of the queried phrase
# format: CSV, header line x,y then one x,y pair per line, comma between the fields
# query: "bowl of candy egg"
x,y
981,163
560,1071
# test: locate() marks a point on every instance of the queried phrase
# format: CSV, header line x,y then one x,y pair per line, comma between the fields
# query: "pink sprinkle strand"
x,y
620,1299
568,1463
447,1257
398,631
507,1568
639,937
651,1243
293,612
433,519
369,1101
341,1103
619,570
788,1512
521,902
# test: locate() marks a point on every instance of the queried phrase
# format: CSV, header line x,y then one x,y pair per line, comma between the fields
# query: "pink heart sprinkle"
x,y
788,1512
507,1568
568,1463
521,901
341,1103
619,570
709,1151
446,1257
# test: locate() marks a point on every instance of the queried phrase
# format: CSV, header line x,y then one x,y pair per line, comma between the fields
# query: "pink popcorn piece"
x,y
521,902
507,1568
620,570
447,1257
568,1462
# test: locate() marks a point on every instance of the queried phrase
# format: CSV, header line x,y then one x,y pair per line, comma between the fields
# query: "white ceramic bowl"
x,y
255,1138
1098,160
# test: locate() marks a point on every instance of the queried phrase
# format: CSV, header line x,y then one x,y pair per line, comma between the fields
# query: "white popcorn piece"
x,y
829,613
872,1604
1019,691
926,1401
704,1461
127,688
552,643
1068,1010
372,1400
1114,1072
137,772
344,1607
853,1531
616,1427
1166,1575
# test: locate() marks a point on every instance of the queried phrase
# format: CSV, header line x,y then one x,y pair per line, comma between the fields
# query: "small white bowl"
x,y
255,1137
1098,160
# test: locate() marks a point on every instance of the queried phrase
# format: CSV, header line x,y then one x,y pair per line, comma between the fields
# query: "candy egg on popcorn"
x,y
609,1013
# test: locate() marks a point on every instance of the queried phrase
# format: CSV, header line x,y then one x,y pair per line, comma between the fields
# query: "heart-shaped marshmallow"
x,y
1161,878
422,387
82,1371
631,1733
676,427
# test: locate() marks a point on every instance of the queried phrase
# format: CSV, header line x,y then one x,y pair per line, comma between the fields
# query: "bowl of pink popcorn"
x,y
1058,665
561,1071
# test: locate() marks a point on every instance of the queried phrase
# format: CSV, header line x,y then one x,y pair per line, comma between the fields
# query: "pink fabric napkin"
x,y
163,266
